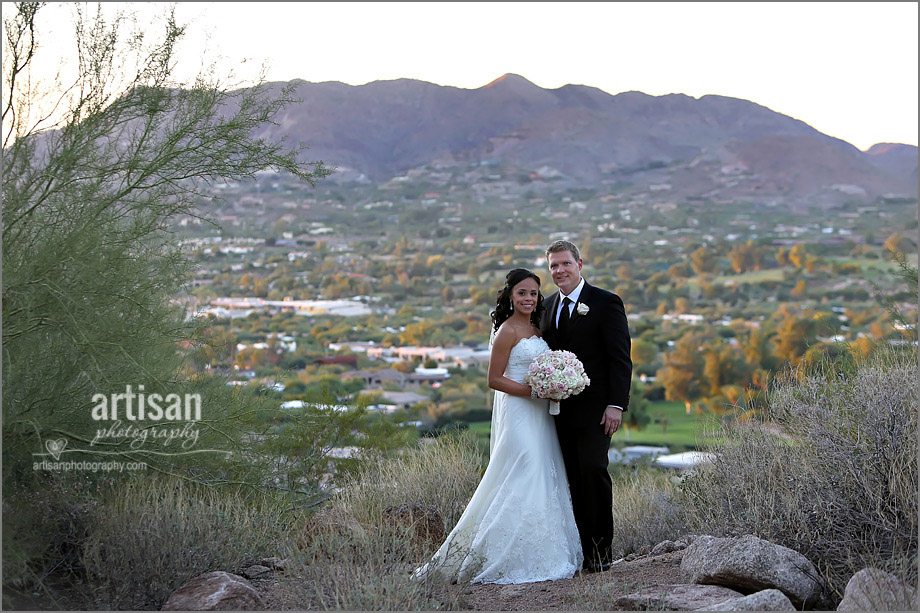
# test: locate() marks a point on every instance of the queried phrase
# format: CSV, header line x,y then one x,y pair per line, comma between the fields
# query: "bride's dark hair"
x,y
503,301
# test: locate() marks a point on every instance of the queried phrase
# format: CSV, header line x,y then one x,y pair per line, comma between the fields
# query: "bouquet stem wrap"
x,y
553,407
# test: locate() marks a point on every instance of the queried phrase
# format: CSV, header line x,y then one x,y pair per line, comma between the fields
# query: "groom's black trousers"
x,y
584,450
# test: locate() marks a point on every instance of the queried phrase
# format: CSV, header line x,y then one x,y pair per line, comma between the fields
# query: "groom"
x,y
591,323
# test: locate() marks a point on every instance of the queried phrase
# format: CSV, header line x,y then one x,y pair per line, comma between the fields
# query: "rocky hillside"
x,y
384,128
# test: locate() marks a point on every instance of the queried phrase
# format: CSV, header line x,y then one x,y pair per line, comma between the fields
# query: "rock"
x,y
256,571
215,591
425,523
752,564
513,591
274,563
665,547
676,598
872,589
764,600
631,557
333,521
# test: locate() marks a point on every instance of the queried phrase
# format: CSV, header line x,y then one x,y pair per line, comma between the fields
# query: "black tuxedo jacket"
x,y
600,339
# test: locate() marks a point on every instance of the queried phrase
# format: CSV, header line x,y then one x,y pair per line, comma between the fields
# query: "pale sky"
x,y
848,69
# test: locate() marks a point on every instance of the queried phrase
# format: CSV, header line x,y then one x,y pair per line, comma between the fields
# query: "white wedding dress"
x,y
518,527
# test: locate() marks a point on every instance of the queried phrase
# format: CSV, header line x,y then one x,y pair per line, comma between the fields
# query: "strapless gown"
x,y
518,527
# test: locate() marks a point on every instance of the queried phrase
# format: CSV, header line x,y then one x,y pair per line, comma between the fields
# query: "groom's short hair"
x,y
562,245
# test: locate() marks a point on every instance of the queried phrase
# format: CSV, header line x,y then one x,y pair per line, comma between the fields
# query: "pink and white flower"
x,y
556,375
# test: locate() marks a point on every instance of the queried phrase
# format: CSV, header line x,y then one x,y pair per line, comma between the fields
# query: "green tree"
x,y
725,369
216,347
782,256
643,352
681,270
794,335
636,417
89,193
754,346
712,371
745,257
798,255
897,243
682,373
709,289
703,260
681,305
906,321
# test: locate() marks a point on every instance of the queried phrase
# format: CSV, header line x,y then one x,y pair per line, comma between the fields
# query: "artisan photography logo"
x,y
138,406
126,427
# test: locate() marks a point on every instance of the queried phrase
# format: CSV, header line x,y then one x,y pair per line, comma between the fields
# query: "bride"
x,y
518,527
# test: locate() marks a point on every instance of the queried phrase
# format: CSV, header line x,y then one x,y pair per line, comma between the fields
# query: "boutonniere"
x,y
582,308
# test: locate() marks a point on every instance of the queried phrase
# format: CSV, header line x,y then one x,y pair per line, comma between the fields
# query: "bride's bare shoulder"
x,y
509,335
505,335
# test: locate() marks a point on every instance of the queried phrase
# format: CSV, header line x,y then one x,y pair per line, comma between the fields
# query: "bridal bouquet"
x,y
556,375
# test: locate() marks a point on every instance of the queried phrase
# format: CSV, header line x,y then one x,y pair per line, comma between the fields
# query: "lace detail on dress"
x,y
522,354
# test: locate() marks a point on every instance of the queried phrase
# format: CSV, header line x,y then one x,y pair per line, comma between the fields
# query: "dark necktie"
x,y
564,316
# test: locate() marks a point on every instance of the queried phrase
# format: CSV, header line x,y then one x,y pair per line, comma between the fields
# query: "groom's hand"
x,y
611,420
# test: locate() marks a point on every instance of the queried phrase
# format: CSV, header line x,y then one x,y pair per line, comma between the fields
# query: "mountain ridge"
x,y
385,128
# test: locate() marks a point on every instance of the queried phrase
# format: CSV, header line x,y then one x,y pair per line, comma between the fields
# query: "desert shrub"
x,y
44,525
90,269
148,535
441,473
831,472
368,573
646,509
362,563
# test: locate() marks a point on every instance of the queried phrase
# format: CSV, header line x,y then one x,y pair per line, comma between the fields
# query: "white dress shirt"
x,y
573,297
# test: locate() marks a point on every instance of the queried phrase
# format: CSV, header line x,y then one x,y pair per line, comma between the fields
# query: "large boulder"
x,y
215,591
676,598
764,600
750,564
872,589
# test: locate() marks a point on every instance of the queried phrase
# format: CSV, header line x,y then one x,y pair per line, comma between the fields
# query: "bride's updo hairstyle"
x,y
503,302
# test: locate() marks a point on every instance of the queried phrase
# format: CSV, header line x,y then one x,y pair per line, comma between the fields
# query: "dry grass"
x,y
646,509
833,475
148,536
439,473
831,472
370,572
128,544
363,563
